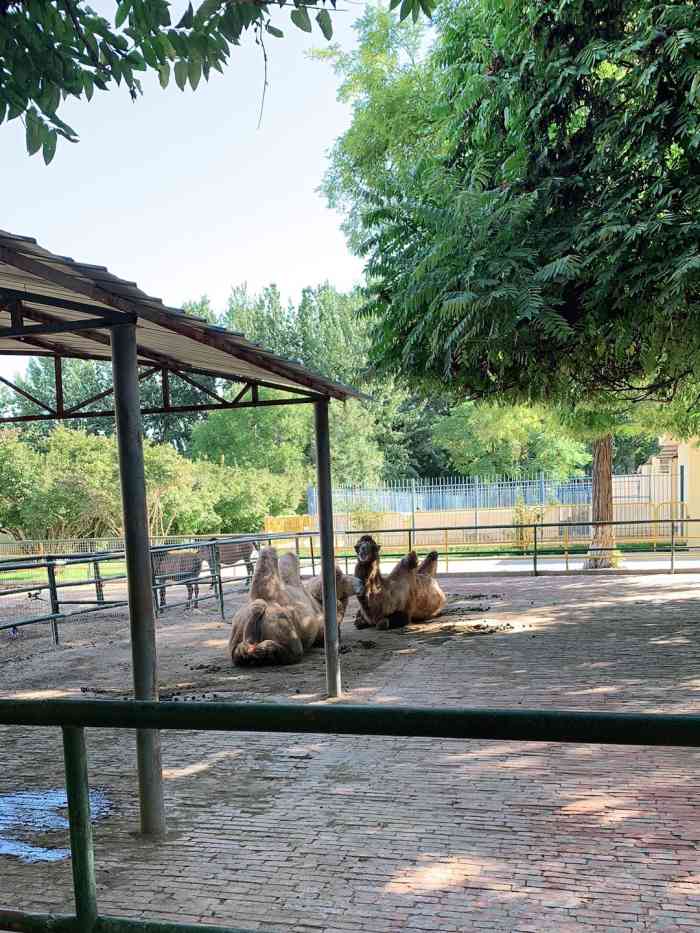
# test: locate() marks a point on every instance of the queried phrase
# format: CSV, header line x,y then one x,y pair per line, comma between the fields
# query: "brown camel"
x,y
281,621
345,587
410,593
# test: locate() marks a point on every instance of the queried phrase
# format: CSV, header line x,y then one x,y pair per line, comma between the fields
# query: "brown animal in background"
x,y
345,587
281,622
410,593
178,566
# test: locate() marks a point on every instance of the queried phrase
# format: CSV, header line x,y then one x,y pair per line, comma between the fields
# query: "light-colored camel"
x,y
346,586
410,593
283,620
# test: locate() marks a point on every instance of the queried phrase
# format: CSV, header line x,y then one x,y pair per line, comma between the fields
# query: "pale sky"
x,y
181,192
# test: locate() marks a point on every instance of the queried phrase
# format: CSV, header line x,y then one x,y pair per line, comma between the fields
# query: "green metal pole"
x,y
673,544
127,406
325,526
82,853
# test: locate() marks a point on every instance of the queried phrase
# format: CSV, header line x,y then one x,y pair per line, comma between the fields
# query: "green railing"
x,y
73,716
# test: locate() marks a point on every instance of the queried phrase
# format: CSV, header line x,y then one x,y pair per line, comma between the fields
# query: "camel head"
x,y
367,549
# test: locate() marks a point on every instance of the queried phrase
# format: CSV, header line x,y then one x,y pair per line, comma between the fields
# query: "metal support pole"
x,y
99,587
53,596
215,572
673,543
534,550
325,525
138,568
82,853
313,559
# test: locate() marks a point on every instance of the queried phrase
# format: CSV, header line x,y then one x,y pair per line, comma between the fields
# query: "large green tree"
x,y
548,244
490,440
51,50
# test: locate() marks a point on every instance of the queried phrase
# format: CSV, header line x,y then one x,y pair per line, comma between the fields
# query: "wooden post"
x,y
325,525
138,568
82,853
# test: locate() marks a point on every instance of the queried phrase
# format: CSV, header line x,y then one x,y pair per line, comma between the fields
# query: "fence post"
x,y
447,552
566,545
82,853
413,511
53,595
215,570
99,588
313,559
673,545
534,550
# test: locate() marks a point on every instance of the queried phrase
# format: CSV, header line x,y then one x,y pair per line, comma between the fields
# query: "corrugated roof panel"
x,y
168,334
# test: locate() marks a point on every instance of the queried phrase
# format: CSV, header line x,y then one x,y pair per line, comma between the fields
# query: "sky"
x,y
181,192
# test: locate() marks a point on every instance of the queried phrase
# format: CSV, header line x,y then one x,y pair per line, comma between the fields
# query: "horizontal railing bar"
x,y
526,725
51,617
15,921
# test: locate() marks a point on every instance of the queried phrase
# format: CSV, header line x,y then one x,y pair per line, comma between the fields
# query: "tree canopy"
x,y
537,234
53,50
488,440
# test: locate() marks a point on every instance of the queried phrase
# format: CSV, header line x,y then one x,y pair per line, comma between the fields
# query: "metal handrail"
x,y
73,716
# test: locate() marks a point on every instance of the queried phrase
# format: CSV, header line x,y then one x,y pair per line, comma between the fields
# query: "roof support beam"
x,y
47,270
60,327
66,304
100,395
28,396
170,410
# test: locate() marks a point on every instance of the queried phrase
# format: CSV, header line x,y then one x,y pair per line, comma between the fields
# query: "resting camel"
x,y
410,593
345,587
282,621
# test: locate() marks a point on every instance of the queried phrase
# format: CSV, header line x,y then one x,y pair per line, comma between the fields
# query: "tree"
x,y
549,242
58,49
19,469
489,440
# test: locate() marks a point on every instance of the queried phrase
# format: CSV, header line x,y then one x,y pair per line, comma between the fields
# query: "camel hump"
x,y
289,569
429,564
410,561
252,633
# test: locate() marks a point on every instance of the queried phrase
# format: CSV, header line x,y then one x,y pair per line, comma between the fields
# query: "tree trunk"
x,y
600,553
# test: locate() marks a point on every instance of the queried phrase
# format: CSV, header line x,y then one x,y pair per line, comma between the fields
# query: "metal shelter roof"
x,y
53,305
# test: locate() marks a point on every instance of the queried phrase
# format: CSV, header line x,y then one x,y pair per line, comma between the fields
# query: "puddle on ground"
x,y
31,813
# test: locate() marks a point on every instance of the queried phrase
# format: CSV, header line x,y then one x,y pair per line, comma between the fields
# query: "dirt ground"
x,y
303,834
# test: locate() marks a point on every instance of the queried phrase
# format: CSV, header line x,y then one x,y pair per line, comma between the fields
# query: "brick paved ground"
x,y
346,835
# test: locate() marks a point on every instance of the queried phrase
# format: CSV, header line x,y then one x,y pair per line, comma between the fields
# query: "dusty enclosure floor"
x,y
342,835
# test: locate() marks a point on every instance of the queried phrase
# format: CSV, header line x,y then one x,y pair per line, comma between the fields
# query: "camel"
x,y
345,587
410,593
283,620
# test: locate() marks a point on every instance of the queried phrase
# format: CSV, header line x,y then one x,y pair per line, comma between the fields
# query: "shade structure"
x,y
51,305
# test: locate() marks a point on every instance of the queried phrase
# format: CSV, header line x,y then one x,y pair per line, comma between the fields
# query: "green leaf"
x,y
195,72
274,31
34,131
326,24
164,75
122,13
301,20
181,74
406,9
49,150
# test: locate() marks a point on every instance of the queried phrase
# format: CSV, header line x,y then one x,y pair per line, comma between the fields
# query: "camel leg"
x,y
395,620
196,595
162,597
429,565
189,596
